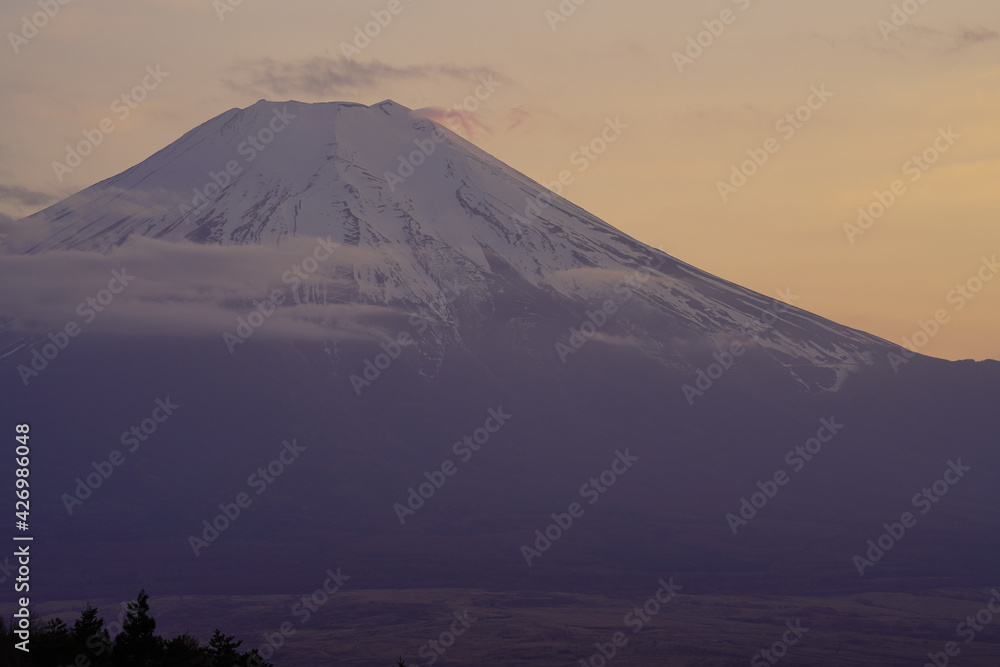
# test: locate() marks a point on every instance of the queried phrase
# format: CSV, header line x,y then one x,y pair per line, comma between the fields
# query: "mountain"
x,y
457,356
343,172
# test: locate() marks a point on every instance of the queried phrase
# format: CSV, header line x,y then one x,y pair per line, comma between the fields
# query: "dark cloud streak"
x,y
977,36
323,76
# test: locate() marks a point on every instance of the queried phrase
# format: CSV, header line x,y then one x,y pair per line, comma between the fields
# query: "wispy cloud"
x,y
968,38
25,197
518,116
948,40
468,123
185,289
326,76
922,37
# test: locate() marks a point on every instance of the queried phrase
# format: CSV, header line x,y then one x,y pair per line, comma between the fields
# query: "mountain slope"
x,y
422,211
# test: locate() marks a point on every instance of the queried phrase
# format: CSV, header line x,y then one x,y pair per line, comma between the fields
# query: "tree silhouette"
x,y
9,654
223,650
185,650
90,638
58,647
137,645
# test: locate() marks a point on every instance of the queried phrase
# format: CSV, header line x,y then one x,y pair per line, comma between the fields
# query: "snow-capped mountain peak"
x,y
422,209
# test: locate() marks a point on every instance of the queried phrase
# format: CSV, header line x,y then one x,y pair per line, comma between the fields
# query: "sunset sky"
x,y
898,102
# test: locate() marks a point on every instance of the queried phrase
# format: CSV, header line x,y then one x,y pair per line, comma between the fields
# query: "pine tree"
x,y
223,650
52,643
90,638
254,659
185,650
137,645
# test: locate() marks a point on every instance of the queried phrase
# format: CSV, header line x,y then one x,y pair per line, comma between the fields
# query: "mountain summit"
x,y
420,210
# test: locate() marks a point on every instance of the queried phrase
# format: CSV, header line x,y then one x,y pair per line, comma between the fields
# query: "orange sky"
x,y
891,88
